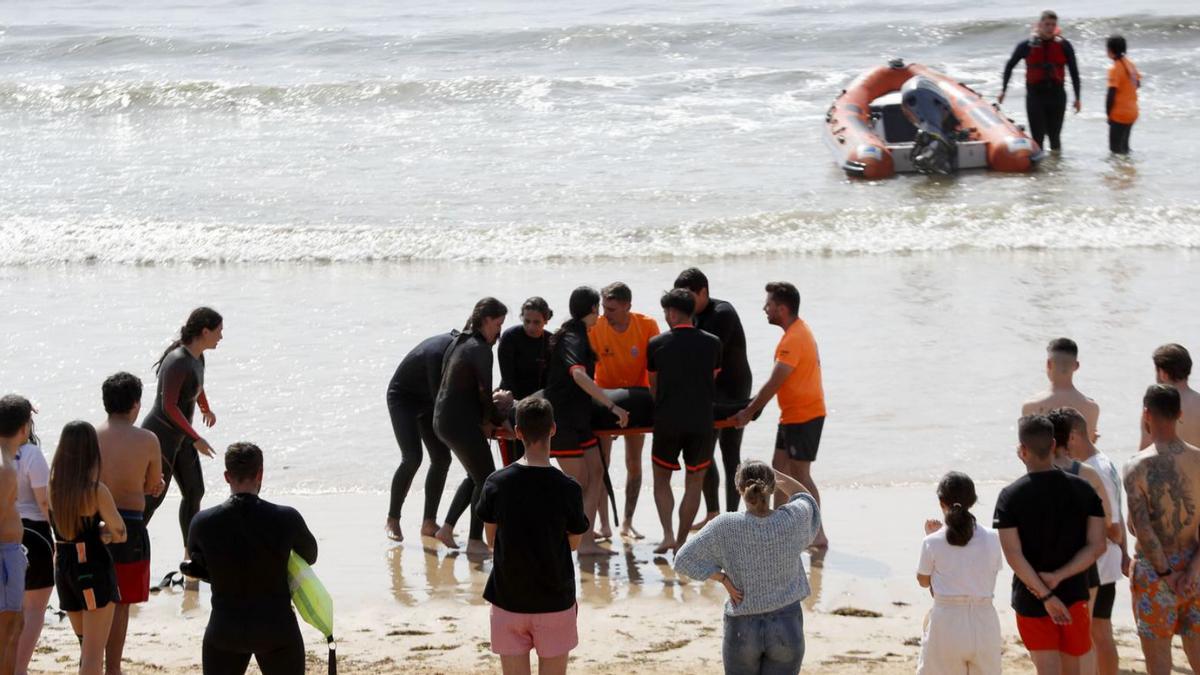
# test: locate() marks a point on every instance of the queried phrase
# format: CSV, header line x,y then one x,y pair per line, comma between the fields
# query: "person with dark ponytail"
x,y
959,563
467,410
179,392
570,388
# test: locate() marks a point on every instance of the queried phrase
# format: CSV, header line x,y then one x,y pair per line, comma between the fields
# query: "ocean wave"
x,y
864,231
33,44
118,95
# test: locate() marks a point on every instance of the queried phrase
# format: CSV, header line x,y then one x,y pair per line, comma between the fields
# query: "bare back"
x,y
11,529
1164,499
131,464
1050,399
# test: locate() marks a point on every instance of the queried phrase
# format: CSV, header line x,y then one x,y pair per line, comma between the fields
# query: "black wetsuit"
x,y
410,398
572,405
522,371
1045,91
464,404
733,384
683,362
242,548
180,384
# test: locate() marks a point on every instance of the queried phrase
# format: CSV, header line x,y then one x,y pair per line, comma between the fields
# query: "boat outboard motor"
x,y
934,150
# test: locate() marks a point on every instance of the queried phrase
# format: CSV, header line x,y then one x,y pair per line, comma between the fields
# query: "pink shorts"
x,y
552,634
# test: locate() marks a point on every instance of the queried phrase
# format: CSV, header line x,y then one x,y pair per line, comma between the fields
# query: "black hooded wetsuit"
x,y
733,384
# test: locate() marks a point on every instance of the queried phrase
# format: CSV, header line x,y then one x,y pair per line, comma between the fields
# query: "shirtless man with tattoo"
x,y
1163,484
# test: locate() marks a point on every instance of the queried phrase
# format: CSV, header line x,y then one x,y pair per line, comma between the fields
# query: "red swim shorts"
x,y
1040,633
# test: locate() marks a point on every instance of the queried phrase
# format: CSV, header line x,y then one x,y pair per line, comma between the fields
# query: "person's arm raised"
x,y
789,486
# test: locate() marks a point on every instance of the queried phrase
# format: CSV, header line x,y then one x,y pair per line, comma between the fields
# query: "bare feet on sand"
x,y
665,547
591,548
476,547
445,534
696,527
429,529
628,532
393,530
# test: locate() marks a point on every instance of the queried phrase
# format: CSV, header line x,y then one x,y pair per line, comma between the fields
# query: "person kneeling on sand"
x,y
959,563
533,518
756,554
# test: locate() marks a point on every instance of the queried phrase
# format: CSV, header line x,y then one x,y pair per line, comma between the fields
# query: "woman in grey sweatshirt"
x,y
755,554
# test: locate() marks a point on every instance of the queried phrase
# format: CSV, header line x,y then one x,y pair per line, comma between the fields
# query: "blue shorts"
x,y
12,577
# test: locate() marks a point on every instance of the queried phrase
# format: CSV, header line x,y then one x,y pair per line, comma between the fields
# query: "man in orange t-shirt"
x,y
1122,101
796,379
620,338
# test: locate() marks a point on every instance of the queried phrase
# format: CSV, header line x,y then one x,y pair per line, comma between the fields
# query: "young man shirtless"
x,y
1062,360
1163,484
16,415
1173,367
131,467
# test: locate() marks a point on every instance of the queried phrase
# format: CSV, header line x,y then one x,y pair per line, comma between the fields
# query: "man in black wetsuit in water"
x,y
1048,57
242,548
733,384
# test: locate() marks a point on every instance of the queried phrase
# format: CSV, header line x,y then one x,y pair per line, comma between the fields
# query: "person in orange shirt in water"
x,y
619,339
1122,101
796,378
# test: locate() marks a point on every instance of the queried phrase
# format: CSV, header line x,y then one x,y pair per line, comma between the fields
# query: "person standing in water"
x,y
179,392
796,378
683,364
16,423
620,338
85,522
1121,102
131,468
1062,362
756,556
523,353
734,383
465,414
410,398
1048,57
571,390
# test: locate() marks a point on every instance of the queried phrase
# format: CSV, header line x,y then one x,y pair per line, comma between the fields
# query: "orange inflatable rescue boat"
x,y
901,118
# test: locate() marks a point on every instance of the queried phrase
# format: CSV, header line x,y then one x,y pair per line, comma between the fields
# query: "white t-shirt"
x,y
1110,563
962,570
32,472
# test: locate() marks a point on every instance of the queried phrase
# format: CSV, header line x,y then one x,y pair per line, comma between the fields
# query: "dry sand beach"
x,y
412,608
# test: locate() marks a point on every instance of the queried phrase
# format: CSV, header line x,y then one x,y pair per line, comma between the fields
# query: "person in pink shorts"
x,y
533,518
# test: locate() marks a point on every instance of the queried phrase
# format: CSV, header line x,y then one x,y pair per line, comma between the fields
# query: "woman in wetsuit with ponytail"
x,y
180,390
464,413
570,388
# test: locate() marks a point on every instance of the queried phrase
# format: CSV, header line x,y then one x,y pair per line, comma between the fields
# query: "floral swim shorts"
x,y
1159,613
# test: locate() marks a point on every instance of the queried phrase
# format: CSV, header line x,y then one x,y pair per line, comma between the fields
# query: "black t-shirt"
x,y
1050,510
522,361
419,374
721,319
572,405
683,360
534,508
465,396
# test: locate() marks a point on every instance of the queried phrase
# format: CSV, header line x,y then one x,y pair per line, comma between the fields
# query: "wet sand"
x,y
416,607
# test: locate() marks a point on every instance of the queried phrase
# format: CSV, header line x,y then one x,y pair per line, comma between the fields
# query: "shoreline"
x,y
418,608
